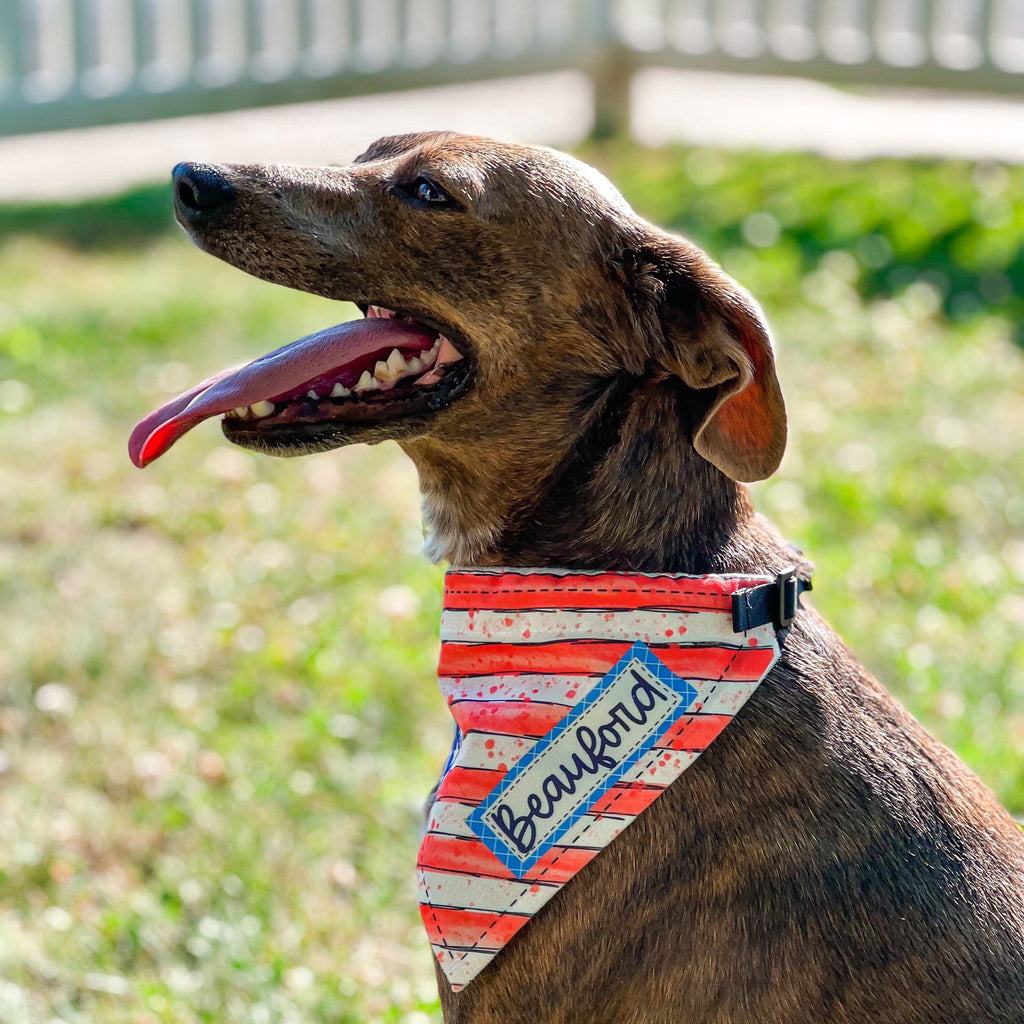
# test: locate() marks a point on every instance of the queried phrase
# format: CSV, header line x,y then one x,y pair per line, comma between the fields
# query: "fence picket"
x,y
11,48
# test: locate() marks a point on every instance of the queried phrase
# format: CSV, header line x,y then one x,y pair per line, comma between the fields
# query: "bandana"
x,y
578,699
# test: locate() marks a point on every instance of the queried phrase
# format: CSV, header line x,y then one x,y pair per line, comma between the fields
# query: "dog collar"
x,y
578,698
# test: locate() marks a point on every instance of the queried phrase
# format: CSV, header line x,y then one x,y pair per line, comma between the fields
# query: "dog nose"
x,y
200,190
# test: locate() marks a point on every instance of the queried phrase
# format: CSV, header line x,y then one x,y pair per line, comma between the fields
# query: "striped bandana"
x,y
578,697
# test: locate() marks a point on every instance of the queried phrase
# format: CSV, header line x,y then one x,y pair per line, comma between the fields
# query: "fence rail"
x,y
66,63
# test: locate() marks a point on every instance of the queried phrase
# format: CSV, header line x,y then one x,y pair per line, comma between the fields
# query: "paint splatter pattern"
x,y
524,654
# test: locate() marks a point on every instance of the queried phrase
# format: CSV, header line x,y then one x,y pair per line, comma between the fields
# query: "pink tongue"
x,y
269,376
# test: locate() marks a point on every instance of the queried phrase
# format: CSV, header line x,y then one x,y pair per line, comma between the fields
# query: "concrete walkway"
x,y
700,108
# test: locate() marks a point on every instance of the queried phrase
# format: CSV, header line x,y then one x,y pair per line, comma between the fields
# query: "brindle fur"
x,y
826,860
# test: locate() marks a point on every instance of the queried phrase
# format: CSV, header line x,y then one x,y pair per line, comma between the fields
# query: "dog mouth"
x,y
307,395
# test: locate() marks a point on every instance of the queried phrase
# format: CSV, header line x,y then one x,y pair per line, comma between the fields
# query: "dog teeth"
x,y
427,361
311,393
242,412
261,409
387,372
394,369
366,382
427,358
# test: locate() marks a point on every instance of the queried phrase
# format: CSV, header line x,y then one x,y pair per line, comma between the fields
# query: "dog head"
x,y
513,304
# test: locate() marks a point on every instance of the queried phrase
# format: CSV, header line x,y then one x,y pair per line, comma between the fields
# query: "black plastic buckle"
x,y
776,602
787,598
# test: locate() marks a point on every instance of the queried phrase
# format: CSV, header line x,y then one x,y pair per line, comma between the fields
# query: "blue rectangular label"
x,y
573,766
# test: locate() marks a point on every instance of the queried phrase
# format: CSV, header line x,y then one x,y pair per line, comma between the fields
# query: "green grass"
x,y
217,719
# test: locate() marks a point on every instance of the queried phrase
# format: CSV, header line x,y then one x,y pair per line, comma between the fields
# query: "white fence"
x,y
959,44
66,63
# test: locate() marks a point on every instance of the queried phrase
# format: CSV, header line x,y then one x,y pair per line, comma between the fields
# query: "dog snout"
x,y
200,190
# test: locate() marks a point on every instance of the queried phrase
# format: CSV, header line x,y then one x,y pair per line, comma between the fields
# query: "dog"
x,y
581,390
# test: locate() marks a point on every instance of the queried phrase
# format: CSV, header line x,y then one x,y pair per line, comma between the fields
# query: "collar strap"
x,y
776,602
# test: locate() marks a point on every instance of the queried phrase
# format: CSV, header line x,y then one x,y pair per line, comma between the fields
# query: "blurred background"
x,y
217,716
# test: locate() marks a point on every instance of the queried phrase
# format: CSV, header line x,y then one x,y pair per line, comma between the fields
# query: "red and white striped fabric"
x,y
578,697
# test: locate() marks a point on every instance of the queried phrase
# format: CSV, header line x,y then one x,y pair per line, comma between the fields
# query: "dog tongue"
x,y
269,376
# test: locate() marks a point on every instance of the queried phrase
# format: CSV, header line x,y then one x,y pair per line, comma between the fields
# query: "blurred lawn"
x,y
217,714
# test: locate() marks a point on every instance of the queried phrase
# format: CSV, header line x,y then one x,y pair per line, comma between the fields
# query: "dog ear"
x,y
714,339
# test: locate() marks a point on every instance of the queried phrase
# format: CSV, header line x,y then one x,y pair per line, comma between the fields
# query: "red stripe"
x,y
468,785
695,732
471,857
486,929
517,718
467,591
592,657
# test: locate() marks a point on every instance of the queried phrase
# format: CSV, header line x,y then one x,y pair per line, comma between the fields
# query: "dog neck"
x,y
624,491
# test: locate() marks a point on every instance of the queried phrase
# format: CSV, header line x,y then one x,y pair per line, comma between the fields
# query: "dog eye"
x,y
423,192
428,192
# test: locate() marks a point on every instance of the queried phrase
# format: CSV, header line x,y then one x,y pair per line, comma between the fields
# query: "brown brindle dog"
x,y
579,389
